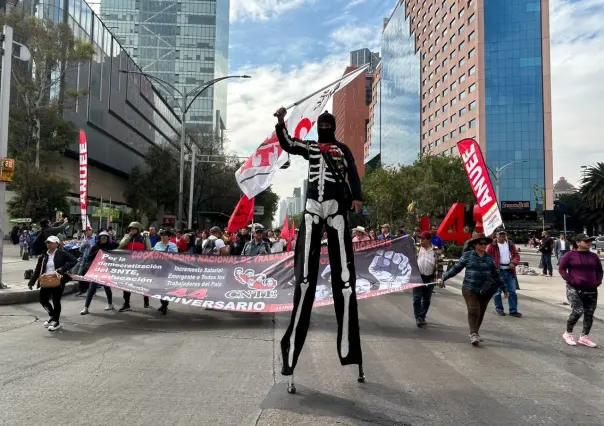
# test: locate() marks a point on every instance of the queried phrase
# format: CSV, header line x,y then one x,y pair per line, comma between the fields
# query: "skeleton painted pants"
x,y
582,302
308,249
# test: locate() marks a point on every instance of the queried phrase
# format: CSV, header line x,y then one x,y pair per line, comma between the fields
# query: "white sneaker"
x,y
84,311
55,326
47,322
569,339
109,308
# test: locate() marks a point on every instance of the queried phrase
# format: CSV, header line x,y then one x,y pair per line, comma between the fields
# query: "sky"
x,y
293,47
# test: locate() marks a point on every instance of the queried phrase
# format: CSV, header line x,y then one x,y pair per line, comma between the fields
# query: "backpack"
x,y
209,246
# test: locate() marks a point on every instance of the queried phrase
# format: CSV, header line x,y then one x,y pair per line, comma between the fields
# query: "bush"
x,y
453,251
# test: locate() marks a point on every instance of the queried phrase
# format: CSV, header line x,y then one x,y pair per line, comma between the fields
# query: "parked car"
x,y
598,244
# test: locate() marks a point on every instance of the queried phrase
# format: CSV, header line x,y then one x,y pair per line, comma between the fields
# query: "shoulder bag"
x,y
50,280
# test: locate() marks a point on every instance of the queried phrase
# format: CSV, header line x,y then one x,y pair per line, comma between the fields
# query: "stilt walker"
x,y
329,198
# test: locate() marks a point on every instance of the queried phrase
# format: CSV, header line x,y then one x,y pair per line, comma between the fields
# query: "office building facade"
x,y
184,43
393,126
485,74
122,116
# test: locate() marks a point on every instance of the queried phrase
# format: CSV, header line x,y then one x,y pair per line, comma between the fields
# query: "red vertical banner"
x,y
83,178
243,213
478,176
285,234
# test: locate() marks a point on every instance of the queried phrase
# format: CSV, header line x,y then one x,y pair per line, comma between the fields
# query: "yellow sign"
x,y
7,170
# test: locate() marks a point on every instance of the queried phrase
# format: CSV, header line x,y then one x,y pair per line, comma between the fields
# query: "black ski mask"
x,y
326,128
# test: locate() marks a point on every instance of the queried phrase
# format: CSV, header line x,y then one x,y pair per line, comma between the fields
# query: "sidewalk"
x,y
535,252
12,277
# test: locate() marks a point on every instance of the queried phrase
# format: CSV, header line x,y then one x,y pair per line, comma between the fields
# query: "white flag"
x,y
256,174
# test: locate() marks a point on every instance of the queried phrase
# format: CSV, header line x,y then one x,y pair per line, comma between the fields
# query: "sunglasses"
x,y
481,243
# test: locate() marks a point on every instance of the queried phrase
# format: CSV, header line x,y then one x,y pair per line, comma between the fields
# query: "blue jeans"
x,y
510,283
546,260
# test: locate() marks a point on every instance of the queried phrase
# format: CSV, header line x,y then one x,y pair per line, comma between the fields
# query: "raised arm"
x,y
291,145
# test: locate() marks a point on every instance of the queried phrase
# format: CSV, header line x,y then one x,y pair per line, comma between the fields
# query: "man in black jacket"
x,y
54,261
328,200
46,231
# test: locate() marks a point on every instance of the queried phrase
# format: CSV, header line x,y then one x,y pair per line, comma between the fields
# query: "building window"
x,y
454,133
472,36
472,105
452,39
437,98
453,101
437,113
431,118
453,85
431,90
431,145
453,118
452,24
472,88
424,123
445,138
437,142
445,46
445,107
431,76
462,95
471,19
424,137
431,104
462,128
453,70
437,127
472,53
461,30
452,8
424,110
437,84
445,92
445,122
462,112
425,148
462,45
446,76
472,123
461,13
437,69
453,53
424,95
430,132
472,70
462,62
445,62
454,150
462,78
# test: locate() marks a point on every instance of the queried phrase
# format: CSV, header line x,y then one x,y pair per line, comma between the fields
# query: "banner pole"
x,y
323,88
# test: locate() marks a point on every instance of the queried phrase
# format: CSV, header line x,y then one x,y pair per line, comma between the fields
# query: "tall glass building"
x,y
394,125
485,74
122,115
183,42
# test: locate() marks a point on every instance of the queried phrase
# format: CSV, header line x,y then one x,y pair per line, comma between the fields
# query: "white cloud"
x,y
577,60
352,37
251,104
262,10
353,3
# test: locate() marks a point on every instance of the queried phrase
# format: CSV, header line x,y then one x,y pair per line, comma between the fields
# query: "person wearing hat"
x,y
52,262
134,240
386,235
103,243
360,235
430,263
582,271
334,188
257,246
506,257
166,246
480,282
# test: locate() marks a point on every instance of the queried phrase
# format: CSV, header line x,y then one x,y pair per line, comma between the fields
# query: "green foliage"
x,y
269,200
453,251
433,182
592,194
38,194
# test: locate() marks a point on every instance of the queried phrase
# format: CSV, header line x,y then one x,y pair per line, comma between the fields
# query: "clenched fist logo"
x,y
391,269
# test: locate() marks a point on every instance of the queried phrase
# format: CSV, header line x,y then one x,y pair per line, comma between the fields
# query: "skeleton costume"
x,y
326,205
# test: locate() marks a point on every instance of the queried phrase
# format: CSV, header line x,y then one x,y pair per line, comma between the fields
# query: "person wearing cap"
x,y
506,257
386,235
480,282
582,271
52,262
257,246
103,243
430,263
88,242
214,245
134,240
166,246
360,235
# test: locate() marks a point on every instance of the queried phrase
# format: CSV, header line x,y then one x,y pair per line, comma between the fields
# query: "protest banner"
x,y
253,284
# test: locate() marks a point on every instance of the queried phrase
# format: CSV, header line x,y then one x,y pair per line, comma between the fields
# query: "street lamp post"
x,y
497,173
185,104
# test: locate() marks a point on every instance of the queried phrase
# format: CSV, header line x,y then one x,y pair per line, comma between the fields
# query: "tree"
x,y
432,183
592,186
55,51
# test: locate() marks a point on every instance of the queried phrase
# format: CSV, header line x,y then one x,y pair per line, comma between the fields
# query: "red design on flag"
x,y
243,214
478,176
285,229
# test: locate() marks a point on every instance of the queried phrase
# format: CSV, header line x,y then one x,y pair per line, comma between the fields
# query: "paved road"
x,y
213,368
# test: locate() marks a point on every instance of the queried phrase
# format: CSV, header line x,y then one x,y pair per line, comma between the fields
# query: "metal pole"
x,y
4,105
564,223
192,186
101,214
497,185
181,178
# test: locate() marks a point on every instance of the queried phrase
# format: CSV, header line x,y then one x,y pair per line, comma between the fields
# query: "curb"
x,y
29,296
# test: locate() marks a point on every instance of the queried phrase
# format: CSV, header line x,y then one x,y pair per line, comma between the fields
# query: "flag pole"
x,y
323,88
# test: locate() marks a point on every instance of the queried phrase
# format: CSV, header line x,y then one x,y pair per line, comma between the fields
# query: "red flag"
x,y
285,229
243,213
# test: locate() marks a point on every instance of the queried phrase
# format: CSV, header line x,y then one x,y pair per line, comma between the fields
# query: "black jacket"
x,y
39,246
63,260
94,251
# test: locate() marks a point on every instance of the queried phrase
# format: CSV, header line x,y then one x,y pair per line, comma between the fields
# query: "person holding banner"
x,y
329,198
166,246
103,243
134,240
480,282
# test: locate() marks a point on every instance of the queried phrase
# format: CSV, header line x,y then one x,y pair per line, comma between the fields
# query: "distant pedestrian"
x,y
54,264
23,242
582,271
165,245
506,257
562,247
546,249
